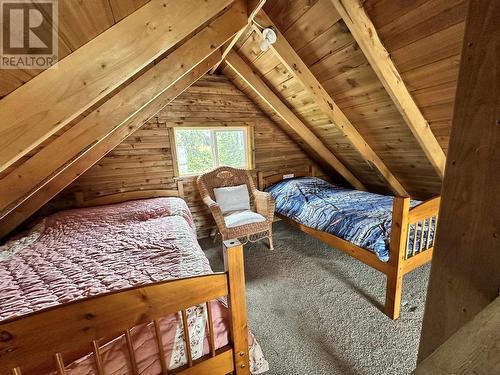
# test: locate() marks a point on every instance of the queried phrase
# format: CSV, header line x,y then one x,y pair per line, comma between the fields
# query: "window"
x,y
199,150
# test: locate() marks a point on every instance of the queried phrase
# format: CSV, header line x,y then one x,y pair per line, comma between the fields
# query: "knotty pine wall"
x,y
144,160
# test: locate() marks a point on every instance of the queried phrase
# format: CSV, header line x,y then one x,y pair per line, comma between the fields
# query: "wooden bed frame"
x,y
400,263
46,340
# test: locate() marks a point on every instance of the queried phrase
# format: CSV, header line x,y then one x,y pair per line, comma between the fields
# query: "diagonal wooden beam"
x,y
48,102
294,64
76,169
365,34
115,114
253,7
236,63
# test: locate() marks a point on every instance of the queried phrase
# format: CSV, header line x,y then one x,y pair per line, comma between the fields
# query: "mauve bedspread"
x,y
79,253
359,217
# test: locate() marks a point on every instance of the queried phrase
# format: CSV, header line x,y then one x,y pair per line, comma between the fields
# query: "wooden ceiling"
x,y
362,133
424,39
79,22
99,95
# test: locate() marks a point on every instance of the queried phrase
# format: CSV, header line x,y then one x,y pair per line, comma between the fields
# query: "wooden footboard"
x,y
420,221
425,215
47,340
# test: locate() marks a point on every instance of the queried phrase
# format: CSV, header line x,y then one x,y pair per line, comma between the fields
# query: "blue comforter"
x,y
356,216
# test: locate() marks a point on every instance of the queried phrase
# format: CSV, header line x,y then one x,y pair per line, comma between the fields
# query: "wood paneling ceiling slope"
x,y
79,147
366,36
294,64
79,22
328,81
236,63
424,39
336,77
95,70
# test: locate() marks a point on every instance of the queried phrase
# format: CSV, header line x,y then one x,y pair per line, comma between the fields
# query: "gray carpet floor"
x,y
315,310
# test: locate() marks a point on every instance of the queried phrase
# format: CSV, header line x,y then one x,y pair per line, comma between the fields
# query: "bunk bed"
x,y
122,288
394,235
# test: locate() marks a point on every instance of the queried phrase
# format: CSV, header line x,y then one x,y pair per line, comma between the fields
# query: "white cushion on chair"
x,y
239,218
232,198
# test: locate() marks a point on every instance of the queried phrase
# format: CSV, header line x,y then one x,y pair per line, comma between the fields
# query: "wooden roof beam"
x,y
45,104
240,67
105,127
365,34
294,64
76,169
253,7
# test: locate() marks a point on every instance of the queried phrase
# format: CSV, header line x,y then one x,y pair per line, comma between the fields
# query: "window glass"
x,y
194,150
231,148
202,149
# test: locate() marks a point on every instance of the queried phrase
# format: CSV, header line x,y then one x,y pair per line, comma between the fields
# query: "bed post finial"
x,y
79,198
180,188
312,170
260,180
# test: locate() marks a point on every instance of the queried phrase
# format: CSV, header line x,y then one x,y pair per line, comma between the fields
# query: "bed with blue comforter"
x,y
359,217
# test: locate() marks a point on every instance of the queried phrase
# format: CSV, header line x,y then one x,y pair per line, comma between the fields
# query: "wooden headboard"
x,y
128,196
264,182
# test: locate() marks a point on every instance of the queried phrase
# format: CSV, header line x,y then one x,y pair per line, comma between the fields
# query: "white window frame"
x,y
247,131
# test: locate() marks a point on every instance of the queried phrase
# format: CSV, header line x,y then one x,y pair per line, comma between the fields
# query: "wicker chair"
x,y
263,202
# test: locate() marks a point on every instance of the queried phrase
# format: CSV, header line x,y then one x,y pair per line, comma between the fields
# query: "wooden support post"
x,y
474,349
233,262
395,272
466,263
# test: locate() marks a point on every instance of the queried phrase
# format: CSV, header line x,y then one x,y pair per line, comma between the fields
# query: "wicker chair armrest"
x,y
264,204
216,211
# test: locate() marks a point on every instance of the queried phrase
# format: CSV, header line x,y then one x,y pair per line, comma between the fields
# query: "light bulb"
x,y
264,45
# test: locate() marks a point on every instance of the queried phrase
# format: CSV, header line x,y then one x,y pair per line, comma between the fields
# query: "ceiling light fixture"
x,y
268,37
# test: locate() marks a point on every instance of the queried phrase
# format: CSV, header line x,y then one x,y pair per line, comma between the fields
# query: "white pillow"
x,y
232,198
239,218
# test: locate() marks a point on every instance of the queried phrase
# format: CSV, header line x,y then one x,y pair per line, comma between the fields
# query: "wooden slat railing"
x,y
60,364
422,221
187,341
211,329
161,350
131,352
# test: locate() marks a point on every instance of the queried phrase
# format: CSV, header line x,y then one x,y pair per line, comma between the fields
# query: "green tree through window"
x,y
199,150
231,148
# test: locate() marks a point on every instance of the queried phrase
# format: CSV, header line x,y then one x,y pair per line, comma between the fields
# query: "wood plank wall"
x,y
144,160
